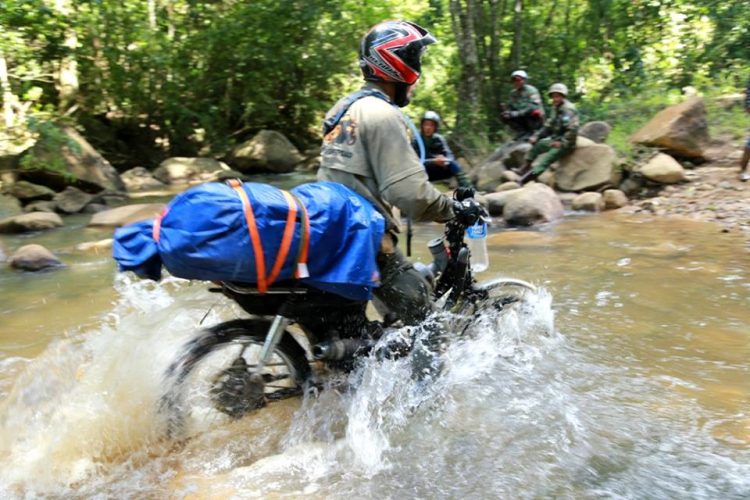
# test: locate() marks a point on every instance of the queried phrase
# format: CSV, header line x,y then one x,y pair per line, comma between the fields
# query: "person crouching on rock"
x,y
524,113
556,139
439,163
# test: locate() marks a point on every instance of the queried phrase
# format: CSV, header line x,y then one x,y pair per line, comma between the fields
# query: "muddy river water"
x,y
628,377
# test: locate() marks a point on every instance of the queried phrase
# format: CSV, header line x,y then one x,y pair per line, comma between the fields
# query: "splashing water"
x,y
520,409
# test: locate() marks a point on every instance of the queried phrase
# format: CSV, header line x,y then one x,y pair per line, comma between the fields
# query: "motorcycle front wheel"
x,y
216,374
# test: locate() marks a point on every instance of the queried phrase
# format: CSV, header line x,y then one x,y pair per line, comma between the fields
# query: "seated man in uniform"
x,y
439,161
524,113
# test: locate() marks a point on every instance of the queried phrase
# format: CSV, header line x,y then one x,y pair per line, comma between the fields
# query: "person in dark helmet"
x,y
439,163
366,148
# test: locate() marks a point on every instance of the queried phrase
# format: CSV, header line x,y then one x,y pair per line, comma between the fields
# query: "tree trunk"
x,y
470,85
8,97
67,84
515,54
152,14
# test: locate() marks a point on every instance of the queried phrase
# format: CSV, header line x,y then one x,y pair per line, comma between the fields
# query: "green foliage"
x,y
203,75
46,155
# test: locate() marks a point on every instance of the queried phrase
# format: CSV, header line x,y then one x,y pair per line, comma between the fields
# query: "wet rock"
x,y
567,198
588,168
40,206
95,208
596,131
510,176
34,258
184,170
534,204
268,151
681,129
632,186
28,191
95,246
140,179
109,197
72,200
547,178
663,169
36,221
614,199
83,166
9,206
507,186
3,253
588,202
726,185
496,201
128,214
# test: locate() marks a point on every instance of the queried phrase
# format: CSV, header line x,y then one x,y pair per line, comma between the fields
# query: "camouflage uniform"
x,y
525,111
562,127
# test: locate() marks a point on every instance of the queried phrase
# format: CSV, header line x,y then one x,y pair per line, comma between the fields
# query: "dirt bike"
x,y
260,360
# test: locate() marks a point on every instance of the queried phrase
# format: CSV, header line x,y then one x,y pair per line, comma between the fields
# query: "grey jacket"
x,y
369,152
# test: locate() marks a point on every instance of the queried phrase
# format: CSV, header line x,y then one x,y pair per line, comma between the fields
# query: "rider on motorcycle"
x,y
367,149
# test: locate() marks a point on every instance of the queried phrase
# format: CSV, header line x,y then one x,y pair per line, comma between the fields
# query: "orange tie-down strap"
x,y
286,240
156,231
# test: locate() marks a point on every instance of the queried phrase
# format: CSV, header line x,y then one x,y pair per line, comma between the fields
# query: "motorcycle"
x,y
261,360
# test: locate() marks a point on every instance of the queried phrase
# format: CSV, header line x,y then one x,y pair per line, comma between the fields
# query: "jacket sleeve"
x,y
446,150
570,128
545,130
400,176
530,103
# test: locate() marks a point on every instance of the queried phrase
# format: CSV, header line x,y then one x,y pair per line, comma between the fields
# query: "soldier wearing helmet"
x,y
558,136
524,113
366,148
439,163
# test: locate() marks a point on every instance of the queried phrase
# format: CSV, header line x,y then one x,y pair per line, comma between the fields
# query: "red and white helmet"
x,y
392,50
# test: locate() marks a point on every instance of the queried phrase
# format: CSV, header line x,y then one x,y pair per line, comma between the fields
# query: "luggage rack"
x,y
249,289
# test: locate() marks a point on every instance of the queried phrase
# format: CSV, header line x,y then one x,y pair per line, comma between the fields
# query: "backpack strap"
x,y
330,123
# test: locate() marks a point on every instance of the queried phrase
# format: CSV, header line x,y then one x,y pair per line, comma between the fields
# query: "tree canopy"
x,y
190,77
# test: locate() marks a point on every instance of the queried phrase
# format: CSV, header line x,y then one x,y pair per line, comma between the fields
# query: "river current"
x,y
626,377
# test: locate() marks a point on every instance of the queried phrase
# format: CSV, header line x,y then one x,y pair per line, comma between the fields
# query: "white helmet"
x,y
432,116
521,73
558,88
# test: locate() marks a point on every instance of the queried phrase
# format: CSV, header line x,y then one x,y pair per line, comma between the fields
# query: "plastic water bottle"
x,y
478,247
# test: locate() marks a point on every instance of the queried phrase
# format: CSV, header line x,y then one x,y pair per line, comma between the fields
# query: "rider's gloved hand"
x,y
461,193
469,212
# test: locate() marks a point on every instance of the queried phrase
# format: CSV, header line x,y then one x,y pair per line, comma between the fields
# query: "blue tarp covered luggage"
x,y
206,233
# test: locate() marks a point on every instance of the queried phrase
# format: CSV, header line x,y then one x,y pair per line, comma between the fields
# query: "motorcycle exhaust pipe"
x,y
338,350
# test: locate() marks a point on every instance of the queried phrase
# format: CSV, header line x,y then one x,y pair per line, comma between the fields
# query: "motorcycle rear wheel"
x,y
216,373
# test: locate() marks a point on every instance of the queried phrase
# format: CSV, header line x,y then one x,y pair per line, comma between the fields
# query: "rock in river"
x,y
35,221
533,204
663,169
34,258
589,202
72,200
268,151
128,214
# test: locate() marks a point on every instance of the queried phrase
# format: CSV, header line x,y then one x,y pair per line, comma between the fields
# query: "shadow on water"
x,y
631,383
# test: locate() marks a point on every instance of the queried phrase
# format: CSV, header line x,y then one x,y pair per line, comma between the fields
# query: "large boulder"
x,y
533,204
72,200
614,199
183,170
268,151
28,192
496,201
70,161
507,186
36,221
663,169
588,202
9,206
33,258
128,214
596,131
681,129
140,179
40,206
588,168
491,171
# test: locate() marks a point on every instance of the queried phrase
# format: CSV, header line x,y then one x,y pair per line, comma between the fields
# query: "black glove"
x,y
469,212
462,193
